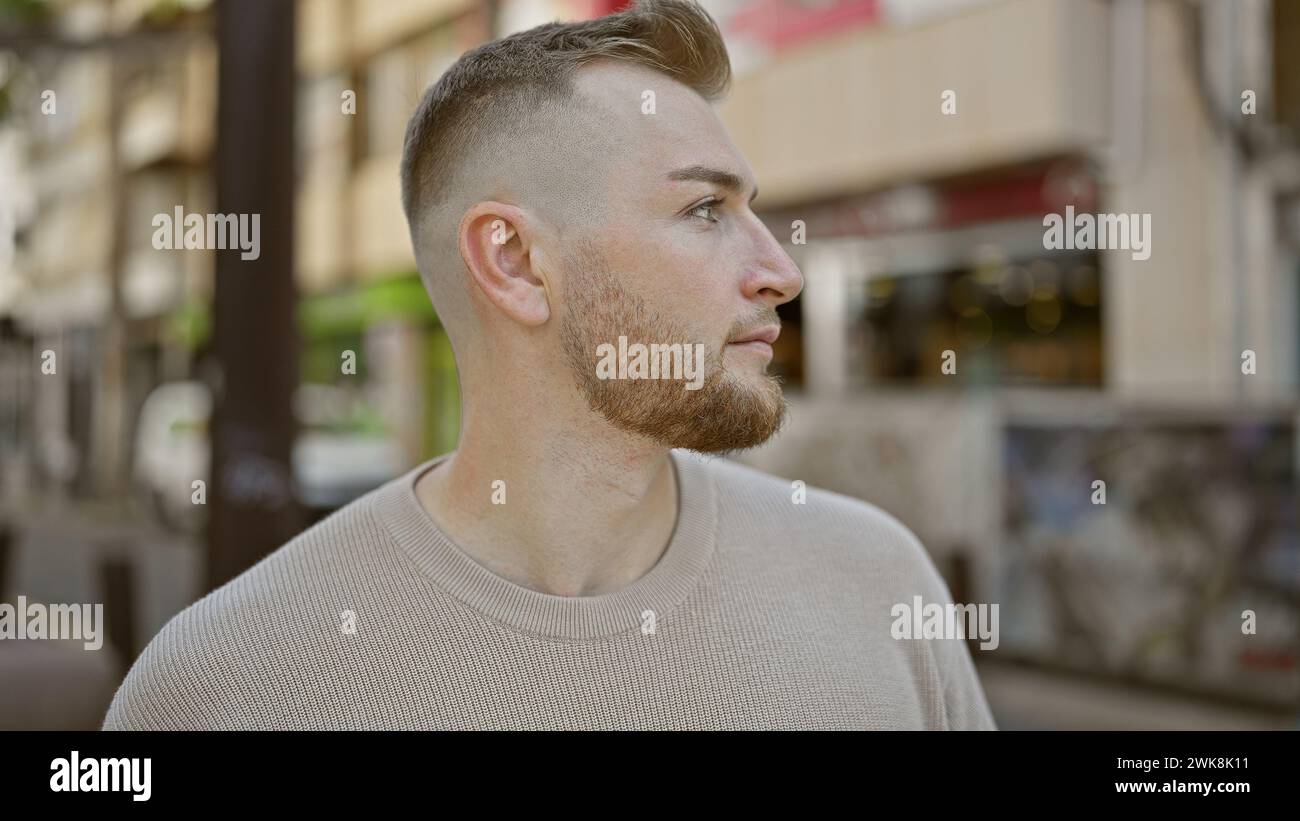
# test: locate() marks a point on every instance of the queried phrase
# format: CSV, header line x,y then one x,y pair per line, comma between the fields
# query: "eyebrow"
x,y
716,176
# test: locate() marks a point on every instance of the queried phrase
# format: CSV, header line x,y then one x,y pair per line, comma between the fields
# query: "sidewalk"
x,y
1026,699
61,555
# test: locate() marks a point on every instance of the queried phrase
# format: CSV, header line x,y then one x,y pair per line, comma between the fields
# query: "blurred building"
x,y
120,129
131,136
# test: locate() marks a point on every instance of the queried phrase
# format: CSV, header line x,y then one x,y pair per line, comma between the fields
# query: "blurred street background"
x,y
1175,380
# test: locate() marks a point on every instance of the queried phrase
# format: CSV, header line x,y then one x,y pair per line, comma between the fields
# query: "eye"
x,y
708,205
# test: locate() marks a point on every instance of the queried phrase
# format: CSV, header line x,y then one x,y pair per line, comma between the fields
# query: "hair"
x,y
497,86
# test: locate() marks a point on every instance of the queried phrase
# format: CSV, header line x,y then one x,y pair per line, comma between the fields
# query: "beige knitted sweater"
x,y
762,613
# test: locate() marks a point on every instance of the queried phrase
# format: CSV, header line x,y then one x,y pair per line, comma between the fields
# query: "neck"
x,y
584,509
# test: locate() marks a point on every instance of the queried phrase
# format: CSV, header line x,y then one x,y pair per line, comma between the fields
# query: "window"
x,y
1023,322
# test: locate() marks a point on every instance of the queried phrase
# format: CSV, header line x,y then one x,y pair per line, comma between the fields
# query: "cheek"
x,y
687,279
695,307
712,295
698,272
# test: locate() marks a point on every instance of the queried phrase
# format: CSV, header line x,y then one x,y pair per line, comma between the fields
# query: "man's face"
x,y
675,255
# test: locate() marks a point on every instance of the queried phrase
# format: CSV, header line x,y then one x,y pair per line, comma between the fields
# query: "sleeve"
x,y
155,695
964,704
181,681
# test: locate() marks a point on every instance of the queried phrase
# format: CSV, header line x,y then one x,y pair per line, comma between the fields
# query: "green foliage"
x,y
24,12
350,312
190,325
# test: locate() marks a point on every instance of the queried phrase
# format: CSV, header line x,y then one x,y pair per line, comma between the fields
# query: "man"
x,y
582,223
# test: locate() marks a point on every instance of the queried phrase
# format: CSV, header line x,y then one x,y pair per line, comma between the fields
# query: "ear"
x,y
496,245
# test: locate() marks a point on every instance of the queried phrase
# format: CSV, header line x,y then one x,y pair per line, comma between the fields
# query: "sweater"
x,y
765,611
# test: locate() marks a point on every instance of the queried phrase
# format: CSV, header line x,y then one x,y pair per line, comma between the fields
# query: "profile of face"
x,y
676,256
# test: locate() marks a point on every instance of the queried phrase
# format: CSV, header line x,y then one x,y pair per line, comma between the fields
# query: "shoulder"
x,y
242,644
852,556
796,512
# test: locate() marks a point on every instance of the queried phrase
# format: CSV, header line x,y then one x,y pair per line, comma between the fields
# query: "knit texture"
x,y
760,614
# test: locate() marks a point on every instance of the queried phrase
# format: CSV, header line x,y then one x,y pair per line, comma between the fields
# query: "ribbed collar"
x,y
660,590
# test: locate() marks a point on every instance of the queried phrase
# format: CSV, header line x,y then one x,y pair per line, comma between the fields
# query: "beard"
x,y
727,412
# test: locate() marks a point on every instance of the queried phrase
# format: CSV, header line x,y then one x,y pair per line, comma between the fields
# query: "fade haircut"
x,y
495,88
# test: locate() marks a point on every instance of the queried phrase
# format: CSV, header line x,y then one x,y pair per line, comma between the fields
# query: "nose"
x,y
773,276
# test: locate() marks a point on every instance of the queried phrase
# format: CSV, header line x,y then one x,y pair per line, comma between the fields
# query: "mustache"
x,y
763,318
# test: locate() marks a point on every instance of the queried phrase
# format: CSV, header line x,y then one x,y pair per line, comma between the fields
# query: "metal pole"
x,y
251,504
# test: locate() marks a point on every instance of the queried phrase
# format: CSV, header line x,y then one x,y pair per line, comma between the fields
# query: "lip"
x,y
756,345
767,335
